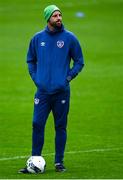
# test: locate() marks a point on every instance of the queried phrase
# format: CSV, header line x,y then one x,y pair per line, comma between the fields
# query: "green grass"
x,y
96,115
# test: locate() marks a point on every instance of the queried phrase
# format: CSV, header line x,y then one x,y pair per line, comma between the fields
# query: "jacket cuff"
x,y
69,78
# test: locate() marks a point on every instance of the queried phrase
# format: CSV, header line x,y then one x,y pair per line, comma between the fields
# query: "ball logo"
x,y
36,101
60,44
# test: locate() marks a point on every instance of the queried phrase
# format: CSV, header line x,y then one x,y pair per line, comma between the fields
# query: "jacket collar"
x,y
57,30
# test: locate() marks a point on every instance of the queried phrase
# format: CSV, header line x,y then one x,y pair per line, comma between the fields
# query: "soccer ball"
x,y
36,164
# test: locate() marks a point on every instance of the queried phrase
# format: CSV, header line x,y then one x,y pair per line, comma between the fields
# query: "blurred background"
x,y
96,112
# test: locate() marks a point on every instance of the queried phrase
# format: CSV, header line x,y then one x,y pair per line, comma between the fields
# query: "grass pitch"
x,y
95,126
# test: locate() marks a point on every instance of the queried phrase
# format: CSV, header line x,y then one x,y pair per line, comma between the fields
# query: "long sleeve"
x,y
32,60
77,56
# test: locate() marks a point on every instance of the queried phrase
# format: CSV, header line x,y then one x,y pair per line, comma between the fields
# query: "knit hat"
x,y
49,10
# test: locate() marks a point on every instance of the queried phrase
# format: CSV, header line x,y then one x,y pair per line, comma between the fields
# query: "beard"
x,y
56,25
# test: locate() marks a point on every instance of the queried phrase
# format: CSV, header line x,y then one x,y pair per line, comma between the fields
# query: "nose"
x,y
59,17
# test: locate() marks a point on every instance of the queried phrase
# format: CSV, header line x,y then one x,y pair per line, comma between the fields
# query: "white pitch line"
x,y
12,158
69,152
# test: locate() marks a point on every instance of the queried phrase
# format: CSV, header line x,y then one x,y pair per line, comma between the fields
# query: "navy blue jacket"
x,y
49,56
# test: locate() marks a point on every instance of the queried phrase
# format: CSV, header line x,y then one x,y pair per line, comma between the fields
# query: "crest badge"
x,y
63,101
36,100
60,44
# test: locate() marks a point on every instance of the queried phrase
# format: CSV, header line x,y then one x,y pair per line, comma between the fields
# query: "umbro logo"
x,y
42,43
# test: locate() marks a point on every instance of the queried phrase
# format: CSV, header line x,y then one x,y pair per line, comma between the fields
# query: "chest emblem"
x,y
60,44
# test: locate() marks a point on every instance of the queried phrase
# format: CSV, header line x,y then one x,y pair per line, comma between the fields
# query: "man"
x,y
49,56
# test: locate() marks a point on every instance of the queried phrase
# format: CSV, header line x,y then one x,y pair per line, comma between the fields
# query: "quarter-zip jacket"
x,y
49,56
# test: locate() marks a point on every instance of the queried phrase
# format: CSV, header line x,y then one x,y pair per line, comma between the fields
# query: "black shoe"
x,y
24,171
59,167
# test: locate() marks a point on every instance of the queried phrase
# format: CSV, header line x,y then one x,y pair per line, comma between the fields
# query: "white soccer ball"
x,y
36,164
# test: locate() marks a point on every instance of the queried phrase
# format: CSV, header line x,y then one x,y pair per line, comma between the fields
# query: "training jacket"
x,y
49,56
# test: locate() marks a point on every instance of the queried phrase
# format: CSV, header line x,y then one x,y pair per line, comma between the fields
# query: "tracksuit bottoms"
x,y
58,103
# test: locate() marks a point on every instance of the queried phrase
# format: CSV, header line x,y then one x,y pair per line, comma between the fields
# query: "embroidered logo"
x,y
42,43
36,101
60,44
63,101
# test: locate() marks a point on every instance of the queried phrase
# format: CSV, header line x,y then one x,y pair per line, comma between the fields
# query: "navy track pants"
x,y
58,103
